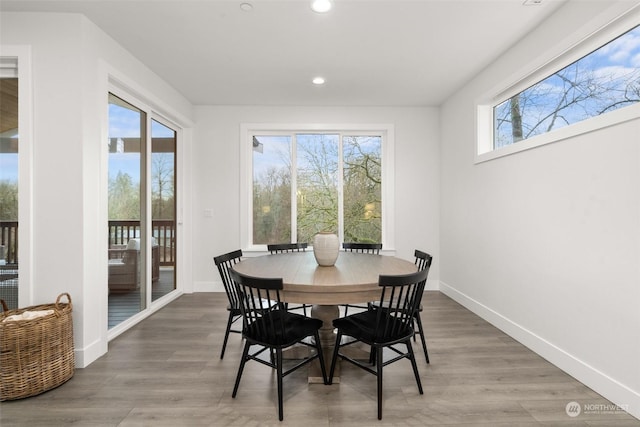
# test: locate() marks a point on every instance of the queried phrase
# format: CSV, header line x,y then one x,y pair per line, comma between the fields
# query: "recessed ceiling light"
x,y
247,7
318,81
321,6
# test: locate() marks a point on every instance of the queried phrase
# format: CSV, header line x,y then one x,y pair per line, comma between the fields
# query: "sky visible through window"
x,y
604,80
9,167
125,123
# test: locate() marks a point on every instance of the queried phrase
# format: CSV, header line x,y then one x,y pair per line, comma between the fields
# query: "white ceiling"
x,y
371,52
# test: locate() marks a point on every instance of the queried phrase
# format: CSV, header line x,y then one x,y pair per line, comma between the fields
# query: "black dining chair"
x,y
273,328
225,263
362,248
423,262
282,248
279,248
386,326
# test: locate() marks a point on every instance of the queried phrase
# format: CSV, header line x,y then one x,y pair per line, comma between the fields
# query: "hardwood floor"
x,y
166,371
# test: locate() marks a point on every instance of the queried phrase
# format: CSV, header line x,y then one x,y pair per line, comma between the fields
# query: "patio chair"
x,y
124,270
124,266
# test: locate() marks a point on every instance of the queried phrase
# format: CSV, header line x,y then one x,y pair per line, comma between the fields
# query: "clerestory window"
x,y
604,80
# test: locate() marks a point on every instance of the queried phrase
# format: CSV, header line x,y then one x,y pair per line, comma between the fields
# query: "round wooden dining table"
x,y
353,279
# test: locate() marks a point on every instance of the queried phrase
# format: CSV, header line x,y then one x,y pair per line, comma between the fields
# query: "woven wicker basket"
x,y
36,355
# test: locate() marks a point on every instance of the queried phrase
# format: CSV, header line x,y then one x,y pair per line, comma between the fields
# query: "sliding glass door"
x,y
142,206
163,209
127,214
9,143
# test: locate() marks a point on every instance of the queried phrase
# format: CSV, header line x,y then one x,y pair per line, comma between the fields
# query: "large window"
x,y
305,182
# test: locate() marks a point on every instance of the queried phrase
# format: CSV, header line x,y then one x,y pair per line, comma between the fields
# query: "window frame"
x,y
248,130
484,126
23,59
153,111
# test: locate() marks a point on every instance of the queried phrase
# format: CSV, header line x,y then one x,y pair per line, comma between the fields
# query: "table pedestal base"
x,y
326,313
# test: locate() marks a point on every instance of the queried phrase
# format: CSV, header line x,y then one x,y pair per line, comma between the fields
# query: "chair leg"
x,y
226,334
421,333
414,365
245,357
279,373
334,358
379,375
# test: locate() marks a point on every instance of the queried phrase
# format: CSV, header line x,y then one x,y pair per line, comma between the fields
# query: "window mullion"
x,y
340,188
294,188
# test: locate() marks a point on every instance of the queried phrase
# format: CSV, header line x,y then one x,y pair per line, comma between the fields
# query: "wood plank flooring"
x,y
167,371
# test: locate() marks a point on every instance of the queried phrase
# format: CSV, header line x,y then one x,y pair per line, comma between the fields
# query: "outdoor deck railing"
x,y
120,231
9,241
119,234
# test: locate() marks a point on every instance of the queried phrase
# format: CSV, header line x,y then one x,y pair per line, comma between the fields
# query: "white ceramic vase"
x,y
326,247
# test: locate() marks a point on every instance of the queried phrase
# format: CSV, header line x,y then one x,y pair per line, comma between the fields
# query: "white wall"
x,y
545,243
71,59
216,159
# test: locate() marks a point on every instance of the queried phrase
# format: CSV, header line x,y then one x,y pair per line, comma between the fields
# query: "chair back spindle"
x,y
400,298
363,248
225,263
423,260
280,248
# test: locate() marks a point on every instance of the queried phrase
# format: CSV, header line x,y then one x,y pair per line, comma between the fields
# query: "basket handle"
x,y
60,296
4,305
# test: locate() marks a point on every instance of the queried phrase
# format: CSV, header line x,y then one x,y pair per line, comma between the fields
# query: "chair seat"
x,y
237,311
296,328
362,326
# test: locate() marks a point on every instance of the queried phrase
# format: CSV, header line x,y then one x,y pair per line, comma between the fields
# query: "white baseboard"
x,y
608,387
432,285
208,287
89,353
